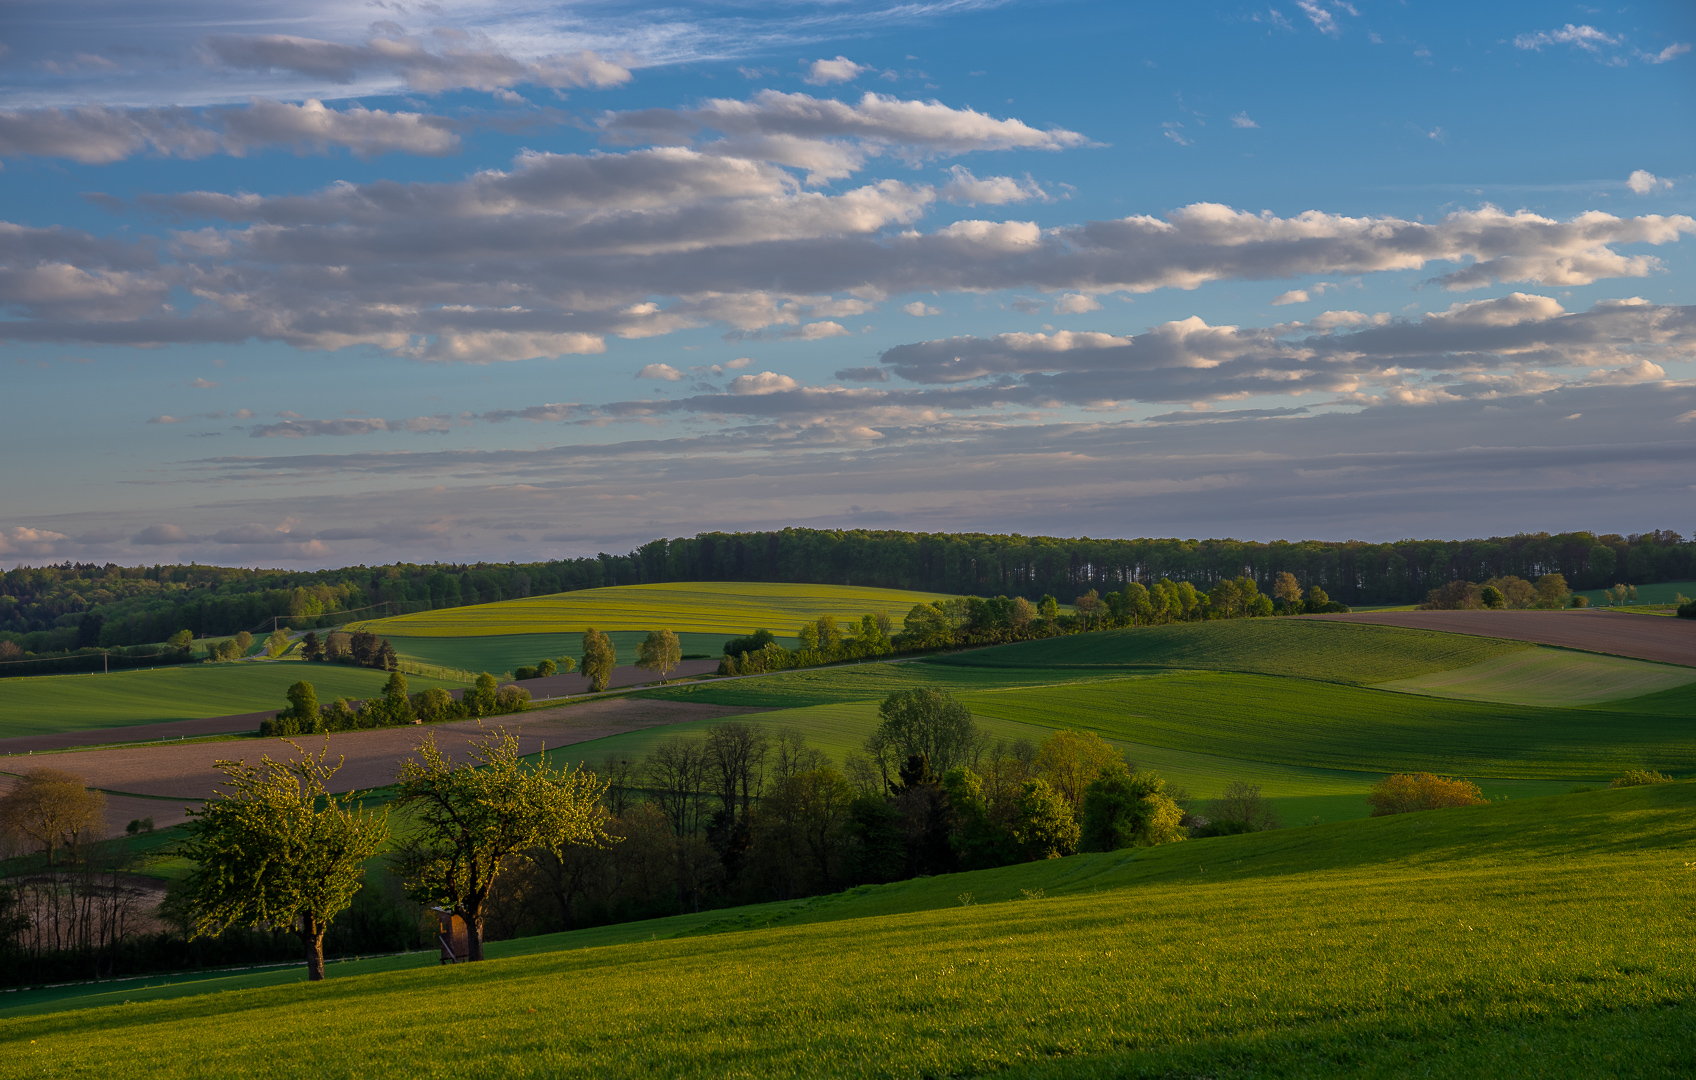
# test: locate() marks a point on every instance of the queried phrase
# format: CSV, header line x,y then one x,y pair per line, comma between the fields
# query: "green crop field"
x,y
1542,937
1543,676
1329,651
726,609
504,652
48,703
1659,593
1318,725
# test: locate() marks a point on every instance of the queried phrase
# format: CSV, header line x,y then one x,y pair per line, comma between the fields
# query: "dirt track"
x,y
187,772
1643,637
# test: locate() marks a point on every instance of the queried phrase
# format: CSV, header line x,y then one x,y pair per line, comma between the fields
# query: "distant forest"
x,y
74,605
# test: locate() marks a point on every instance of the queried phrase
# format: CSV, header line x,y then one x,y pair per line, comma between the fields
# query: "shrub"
x,y
1641,778
1687,610
1242,802
1206,827
1404,793
511,699
1129,810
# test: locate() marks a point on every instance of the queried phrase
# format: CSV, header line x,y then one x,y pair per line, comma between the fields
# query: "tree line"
x,y
59,608
393,707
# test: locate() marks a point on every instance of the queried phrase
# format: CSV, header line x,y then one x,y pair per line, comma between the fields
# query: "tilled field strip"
x,y
372,757
1644,637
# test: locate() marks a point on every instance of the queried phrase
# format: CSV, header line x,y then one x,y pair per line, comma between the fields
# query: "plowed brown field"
x,y
1644,637
188,771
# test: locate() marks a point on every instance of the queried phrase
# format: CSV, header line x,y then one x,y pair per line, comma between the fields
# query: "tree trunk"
x,y
474,935
312,934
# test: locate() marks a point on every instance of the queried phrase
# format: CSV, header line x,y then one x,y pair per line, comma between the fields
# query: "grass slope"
x,y
48,703
1333,652
1544,676
719,608
1320,725
1542,937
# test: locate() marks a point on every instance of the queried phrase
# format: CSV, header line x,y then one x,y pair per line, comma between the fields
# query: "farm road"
x,y
1643,637
187,772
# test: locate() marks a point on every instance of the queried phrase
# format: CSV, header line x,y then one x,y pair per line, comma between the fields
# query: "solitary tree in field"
x,y
278,849
473,816
278,643
659,652
599,659
51,807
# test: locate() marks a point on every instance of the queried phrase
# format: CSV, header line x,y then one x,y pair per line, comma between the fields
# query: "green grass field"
x,y
504,652
725,609
1543,676
49,703
1658,593
1542,937
1332,652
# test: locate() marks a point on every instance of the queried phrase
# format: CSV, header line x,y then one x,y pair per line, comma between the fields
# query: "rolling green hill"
x,y
1544,676
718,608
48,703
1538,937
1328,651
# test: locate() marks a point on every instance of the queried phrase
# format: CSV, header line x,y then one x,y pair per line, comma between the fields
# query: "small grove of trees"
x,y
277,849
543,668
360,648
233,648
1550,592
1640,778
1403,793
821,641
395,706
478,816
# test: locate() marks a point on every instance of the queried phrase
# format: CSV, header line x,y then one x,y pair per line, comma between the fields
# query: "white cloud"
x,y
1076,304
1294,296
1585,37
1671,52
1174,131
839,70
817,331
1323,21
99,135
161,534
918,309
766,382
739,362
1644,182
963,187
460,61
1242,120
663,372
1686,418
22,540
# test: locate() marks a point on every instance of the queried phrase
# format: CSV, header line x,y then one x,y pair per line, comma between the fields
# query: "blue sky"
x,y
346,283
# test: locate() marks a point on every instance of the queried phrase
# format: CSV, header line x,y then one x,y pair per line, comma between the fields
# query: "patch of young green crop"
x,y
861,682
49,703
1662,592
1324,725
728,609
1544,676
504,652
1339,652
1393,936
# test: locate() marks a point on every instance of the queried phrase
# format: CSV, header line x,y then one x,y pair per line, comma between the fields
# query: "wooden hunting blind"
x,y
453,935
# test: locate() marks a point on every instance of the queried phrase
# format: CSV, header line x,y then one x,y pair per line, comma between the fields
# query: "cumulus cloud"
x,y
22,540
161,534
766,382
558,253
99,135
664,372
839,70
1076,304
1673,51
963,187
1644,182
458,60
918,309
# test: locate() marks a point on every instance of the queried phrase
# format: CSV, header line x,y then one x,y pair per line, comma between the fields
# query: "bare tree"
x,y
735,760
675,772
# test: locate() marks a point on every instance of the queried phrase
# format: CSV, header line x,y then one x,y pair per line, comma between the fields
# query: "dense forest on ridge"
x,y
75,605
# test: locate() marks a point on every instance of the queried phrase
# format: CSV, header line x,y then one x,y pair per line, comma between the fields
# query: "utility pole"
x,y
106,659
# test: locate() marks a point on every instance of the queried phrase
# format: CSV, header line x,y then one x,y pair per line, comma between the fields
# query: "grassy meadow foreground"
x,y
1535,937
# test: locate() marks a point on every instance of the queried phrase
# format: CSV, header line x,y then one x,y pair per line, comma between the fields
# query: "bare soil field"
x,y
1667,641
188,772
